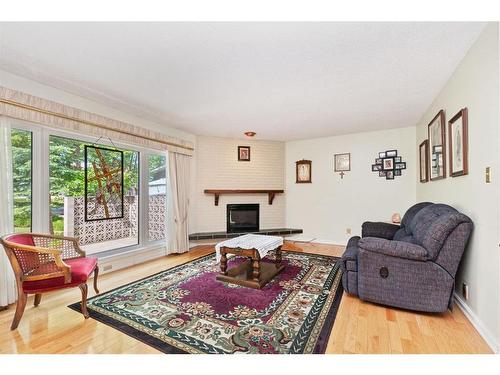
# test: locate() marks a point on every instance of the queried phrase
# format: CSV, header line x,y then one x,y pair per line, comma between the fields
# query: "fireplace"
x,y
242,218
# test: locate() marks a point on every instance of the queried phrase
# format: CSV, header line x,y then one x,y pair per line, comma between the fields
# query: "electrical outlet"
x,y
348,230
108,267
465,291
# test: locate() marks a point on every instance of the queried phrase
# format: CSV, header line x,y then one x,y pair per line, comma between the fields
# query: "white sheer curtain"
x,y
8,292
178,202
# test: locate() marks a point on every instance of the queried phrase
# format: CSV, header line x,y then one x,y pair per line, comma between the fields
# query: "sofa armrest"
x,y
397,249
379,230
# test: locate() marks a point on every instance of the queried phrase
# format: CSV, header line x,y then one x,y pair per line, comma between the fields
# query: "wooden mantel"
x,y
218,192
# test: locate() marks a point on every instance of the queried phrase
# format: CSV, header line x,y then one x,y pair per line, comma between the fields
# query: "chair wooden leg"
x,y
96,273
38,298
84,289
21,304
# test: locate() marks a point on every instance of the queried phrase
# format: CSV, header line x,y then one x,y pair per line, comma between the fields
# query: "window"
x,y
49,190
157,202
67,201
22,169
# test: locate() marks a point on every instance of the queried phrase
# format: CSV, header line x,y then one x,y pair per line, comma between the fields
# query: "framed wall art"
x,y
389,164
303,171
458,143
424,161
436,131
342,163
103,183
243,153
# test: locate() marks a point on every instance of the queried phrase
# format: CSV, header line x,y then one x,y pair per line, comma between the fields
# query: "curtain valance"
x,y
27,107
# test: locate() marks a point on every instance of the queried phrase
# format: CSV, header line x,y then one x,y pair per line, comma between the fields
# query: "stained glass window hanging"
x,y
103,183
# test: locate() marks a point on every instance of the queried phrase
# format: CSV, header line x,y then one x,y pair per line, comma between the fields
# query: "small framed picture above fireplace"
x,y
243,153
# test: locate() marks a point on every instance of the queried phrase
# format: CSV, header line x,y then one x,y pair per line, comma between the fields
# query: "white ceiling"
x,y
283,80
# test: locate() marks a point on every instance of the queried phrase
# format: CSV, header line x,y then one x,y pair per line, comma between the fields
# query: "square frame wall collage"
x,y
389,164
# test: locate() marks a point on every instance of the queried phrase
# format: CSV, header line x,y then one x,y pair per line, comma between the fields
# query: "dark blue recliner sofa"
x,y
412,266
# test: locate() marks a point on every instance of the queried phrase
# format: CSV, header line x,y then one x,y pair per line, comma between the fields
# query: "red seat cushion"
x,y
22,239
81,268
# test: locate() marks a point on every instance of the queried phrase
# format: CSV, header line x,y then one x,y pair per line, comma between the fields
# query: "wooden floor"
x,y
359,328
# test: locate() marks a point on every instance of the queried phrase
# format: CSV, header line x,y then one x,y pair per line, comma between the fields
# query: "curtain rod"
x,y
55,114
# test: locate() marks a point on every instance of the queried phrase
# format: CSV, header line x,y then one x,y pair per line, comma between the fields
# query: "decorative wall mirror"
x,y
303,171
436,131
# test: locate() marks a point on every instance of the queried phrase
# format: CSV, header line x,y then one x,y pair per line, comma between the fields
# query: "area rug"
x,y
186,310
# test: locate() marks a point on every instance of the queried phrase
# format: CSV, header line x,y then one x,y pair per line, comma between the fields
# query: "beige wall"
x,y
474,85
325,208
217,167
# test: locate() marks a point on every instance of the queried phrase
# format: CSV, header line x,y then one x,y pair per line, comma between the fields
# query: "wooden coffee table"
x,y
252,272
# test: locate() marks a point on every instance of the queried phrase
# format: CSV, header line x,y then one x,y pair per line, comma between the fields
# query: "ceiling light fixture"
x,y
250,134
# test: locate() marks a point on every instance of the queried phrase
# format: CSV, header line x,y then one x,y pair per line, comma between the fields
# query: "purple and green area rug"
x,y
186,310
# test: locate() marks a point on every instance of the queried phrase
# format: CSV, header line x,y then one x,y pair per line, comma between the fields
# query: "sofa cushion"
x,y
410,214
350,256
81,268
379,229
432,225
402,236
393,248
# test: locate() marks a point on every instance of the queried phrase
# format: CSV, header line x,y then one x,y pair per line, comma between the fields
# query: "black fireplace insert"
x,y
242,218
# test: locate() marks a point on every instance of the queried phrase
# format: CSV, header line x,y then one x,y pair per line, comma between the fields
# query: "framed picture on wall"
x,y
388,163
436,131
342,162
424,161
303,171
243,153
458,142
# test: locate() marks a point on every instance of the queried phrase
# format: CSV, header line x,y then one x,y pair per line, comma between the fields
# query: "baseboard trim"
x,y
478,324
329,242
130,258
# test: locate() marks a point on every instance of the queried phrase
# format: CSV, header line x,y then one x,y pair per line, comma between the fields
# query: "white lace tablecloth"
x,y
263,244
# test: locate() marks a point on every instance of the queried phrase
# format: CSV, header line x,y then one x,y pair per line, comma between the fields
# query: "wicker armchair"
x,y
43,263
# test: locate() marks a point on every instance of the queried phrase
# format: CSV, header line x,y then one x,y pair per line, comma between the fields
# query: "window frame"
x,y
31,169
40,140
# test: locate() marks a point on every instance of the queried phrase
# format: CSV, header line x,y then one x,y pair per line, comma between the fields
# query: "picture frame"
x,y
378,161
424,161
436,135
391,153
342,162
381,155
381,173
243,153
376,167
389,175
388,164
397,172
303,171
459,144
398,159
399,166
